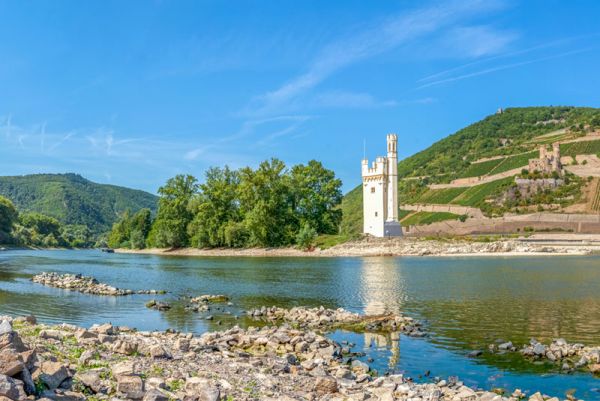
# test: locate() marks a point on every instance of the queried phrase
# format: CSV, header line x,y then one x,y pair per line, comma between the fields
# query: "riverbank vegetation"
x,y
269,206
32,229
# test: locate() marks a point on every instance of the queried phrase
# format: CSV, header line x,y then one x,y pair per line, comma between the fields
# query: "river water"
x,y
466,303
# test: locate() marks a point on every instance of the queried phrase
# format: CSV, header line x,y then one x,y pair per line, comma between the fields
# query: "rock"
x,y
5,327
52,335
11,389
125,368
10,363
131,386
474,354
539,349
594,368
91,379
52,374
155,395
86,357
536,397
326,385
505,346
360,366
202,389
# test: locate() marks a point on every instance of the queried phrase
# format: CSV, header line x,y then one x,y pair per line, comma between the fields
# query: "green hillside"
x,y
72,199
515,134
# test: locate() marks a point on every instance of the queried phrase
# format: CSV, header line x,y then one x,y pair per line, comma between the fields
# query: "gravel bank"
x,y
272,363
391,247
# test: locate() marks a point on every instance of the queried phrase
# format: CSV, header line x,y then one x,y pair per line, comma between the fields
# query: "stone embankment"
x,y
324,319
84,284
111,363
569,355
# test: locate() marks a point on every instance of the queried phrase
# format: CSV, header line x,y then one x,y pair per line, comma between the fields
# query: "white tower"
x,y
392,158
380,193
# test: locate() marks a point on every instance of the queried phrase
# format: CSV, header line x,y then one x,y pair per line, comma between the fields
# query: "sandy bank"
x,y
393,247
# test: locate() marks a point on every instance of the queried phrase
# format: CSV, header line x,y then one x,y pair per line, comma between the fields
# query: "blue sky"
x,y
132,93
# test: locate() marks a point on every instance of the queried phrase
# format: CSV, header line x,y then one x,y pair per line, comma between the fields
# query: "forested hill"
x,y
513,131
72,199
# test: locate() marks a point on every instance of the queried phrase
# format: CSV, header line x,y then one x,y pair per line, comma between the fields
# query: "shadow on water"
x,y
467,303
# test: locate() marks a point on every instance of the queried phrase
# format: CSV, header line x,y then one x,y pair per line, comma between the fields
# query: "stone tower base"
x,y
392,229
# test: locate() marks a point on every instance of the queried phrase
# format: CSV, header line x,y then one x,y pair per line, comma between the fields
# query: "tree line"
x,y
38,230
271,205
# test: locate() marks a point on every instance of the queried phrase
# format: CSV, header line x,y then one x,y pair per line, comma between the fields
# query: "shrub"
x,y
305,238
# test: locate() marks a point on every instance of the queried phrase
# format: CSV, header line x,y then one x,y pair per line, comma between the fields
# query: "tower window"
x,y
375,214
372,190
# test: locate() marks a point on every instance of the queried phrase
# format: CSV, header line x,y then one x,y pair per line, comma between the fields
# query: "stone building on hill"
x,y
548,162
380,193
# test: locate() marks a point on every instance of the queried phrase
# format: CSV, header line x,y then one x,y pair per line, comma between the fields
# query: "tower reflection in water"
x,y
382,290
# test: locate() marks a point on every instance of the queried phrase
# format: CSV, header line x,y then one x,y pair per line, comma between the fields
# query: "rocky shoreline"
x,y
391,247
104,362
84,284
324,319
570,356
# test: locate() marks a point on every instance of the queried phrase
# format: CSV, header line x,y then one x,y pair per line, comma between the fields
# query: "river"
x,y
466,303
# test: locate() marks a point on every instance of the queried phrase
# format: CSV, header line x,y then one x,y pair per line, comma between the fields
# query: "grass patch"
x,y
325,241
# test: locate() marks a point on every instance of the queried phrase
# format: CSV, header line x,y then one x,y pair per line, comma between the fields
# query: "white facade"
x,y
380,193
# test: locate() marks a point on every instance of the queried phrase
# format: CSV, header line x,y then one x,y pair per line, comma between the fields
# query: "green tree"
x,y
305,239
77,235
174,214
214,207
265,204
316,197
8,217
120,232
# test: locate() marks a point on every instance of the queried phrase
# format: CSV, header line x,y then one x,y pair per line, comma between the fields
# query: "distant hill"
x,y
506,140
72,199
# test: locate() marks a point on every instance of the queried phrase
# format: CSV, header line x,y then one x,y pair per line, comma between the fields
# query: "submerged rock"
x,y
84,284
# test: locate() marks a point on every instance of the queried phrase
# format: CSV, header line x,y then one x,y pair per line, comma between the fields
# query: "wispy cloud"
x,y
506,55
505,67
378,39
250,128
345,99
478,41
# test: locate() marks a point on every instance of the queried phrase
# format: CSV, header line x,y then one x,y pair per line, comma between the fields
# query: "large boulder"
x,y
52,374
200,389
131,386
11,388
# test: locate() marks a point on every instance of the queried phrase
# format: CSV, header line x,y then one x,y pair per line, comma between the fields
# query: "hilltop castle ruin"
x,y
380,193
547,163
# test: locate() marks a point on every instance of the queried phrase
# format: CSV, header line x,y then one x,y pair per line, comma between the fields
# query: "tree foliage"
x,y
8,217
266,206
174,213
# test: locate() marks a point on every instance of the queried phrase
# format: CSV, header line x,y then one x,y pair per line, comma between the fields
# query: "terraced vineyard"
x,y
580,148
476,196
421,218
465,196
596,198
513,162
483,168
440,196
